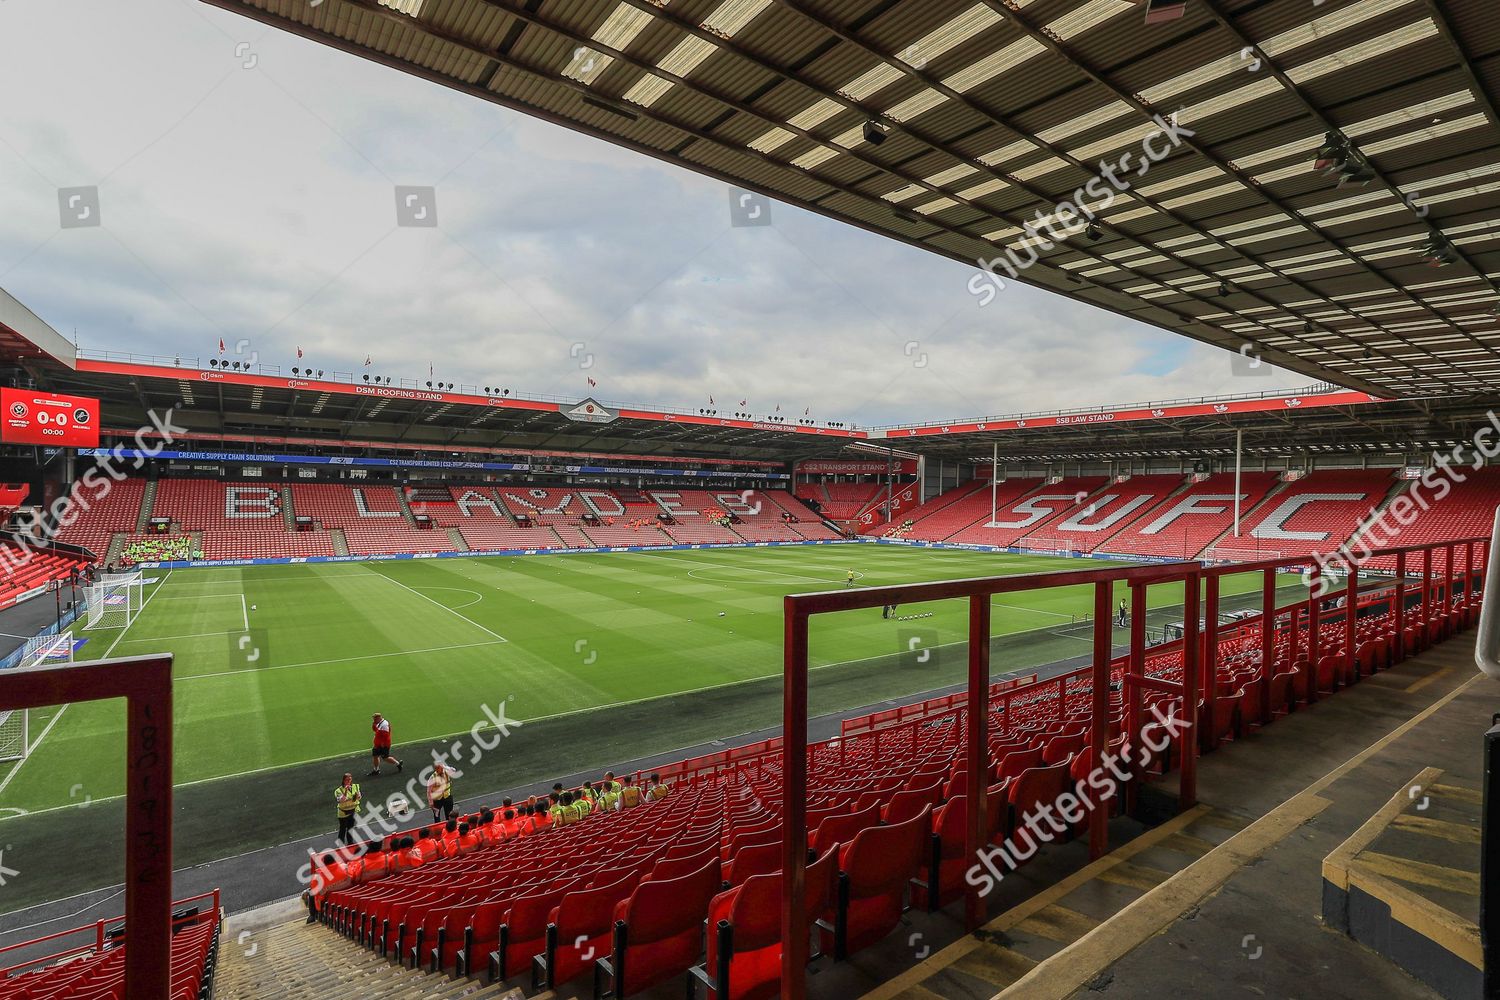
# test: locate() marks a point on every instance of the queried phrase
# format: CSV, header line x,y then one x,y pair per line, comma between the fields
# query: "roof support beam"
x,y
1124,94
1243,41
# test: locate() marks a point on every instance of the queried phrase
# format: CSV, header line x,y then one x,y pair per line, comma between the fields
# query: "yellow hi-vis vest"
x,y
440,787
347,799
631,796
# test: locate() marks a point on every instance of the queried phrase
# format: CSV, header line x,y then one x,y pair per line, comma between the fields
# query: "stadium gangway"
x,y
1199,650
1487,657
145,682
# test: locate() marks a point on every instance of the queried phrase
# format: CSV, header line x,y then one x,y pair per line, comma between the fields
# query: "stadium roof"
x,y
985,113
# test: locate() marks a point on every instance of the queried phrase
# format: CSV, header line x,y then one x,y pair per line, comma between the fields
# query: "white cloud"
x,y
258,203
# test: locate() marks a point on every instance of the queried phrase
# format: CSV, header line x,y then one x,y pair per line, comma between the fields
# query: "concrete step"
x,y
298,961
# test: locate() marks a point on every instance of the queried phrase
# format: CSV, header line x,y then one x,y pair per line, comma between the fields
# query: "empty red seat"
x,y
658,931
744,931
875,871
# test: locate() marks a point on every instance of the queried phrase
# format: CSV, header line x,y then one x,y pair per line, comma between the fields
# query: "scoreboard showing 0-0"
x,y
47,418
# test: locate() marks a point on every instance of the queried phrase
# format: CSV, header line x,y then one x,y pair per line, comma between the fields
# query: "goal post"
x,y
15,725
15,734
113,601
1231,554
1048,545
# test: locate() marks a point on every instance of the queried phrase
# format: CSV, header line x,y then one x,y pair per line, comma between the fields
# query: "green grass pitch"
x,y
429,642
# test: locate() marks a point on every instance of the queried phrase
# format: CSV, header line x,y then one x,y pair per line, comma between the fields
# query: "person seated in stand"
x,y
410,856
378,860
658,790
329,875
584,800
429,844
469,840
609,784
609,799
448,838
561,813
630,795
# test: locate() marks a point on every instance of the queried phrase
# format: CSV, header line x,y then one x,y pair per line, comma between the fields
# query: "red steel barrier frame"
x,y
1199,673
145,682
799,608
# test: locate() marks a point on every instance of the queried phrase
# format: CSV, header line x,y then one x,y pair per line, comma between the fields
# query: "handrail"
x,y
1487,645
99,931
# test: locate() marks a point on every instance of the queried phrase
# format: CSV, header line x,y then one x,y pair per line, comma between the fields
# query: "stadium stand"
x,y
1106,512
24,571
1038,510
1184,524
1466,509
236,520
939,521
116,510
1313,514
803,520
371,518
846,500
485,522
95,970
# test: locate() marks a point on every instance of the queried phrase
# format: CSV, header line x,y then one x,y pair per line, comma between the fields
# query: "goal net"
x,y
1047,545
15,734
114,601
15,725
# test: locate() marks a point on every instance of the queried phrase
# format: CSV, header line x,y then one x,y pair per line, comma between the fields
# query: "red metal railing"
x,y
99,933
1199,646
145,682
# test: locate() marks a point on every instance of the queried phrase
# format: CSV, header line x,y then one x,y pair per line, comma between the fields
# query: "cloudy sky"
x,y
246,191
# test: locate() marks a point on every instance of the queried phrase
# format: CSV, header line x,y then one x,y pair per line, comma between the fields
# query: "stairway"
x,y
295,961
116,546
405,504
340,542
459,541
148,504
288,515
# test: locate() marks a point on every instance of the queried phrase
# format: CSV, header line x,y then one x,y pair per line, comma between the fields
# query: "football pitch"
x,y
284,665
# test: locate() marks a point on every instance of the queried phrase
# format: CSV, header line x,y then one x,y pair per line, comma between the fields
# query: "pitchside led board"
x,y
49,419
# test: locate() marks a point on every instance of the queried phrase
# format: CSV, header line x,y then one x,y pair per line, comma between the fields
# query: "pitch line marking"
x,y
341,659
458,590
1035,611
445,607
15,770
190,635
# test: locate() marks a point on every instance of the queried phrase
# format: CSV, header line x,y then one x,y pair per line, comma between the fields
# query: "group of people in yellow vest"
x,y
608,795
561,808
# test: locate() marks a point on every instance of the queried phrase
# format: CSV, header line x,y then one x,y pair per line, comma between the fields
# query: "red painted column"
x,y
1099,720
1210,681
1399,618
794,943
1351,599
975,834
1267,638
1188,785
1314,625
1137,668
1426,595
148,837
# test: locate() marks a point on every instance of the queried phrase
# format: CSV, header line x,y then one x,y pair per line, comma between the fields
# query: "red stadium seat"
x,y
658,932
875,872
744,931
